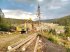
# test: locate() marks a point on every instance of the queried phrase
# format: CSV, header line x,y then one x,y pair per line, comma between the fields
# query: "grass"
x,y
59,27
68,50
58,40
4,45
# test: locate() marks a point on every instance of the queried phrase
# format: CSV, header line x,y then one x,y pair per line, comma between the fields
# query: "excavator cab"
x,y
23,31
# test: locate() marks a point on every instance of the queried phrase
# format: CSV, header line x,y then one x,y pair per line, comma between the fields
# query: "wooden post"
x,y
27,44
36,45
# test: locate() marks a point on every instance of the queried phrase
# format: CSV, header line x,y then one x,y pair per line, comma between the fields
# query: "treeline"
x,y
65,21
3,25
16,21
61,21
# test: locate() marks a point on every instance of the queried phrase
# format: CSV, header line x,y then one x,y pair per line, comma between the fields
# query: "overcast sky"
x,y
49,8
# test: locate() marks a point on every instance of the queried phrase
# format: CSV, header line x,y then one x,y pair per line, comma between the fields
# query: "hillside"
x,y
13,21
62,21
16,21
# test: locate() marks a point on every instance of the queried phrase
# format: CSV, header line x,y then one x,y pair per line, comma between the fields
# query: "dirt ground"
x,y
51,47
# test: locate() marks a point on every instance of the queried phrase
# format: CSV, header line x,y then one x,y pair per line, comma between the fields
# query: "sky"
x,y
49,8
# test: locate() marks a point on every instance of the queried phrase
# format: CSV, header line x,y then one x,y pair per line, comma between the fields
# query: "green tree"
x,y
3,25
52,31
1,16
67,28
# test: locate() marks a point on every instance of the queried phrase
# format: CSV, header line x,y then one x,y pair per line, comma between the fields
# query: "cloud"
x,y
18,14
54,7
57,4
64,0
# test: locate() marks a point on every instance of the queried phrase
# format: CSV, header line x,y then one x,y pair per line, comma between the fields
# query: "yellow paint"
x,y
18,28
25,26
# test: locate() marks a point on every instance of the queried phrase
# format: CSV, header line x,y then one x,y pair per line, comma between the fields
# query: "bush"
x,y
51,39
54,38
68,49
4,27
52,31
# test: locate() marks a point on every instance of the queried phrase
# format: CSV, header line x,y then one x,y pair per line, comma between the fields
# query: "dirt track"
x,y
51,47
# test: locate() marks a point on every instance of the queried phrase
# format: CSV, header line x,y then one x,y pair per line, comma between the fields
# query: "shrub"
x,y
4,27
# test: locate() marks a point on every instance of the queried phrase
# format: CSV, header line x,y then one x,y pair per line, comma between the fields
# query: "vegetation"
x,y
16,21
58,39
64,21
67,31
3,25
61,21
